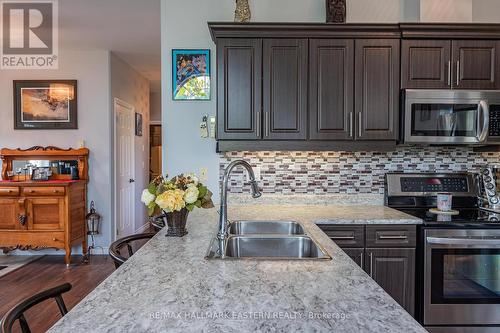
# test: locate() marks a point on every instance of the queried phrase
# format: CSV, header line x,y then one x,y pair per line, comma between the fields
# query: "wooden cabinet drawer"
x,y
391,236
9,191
345,235
33,239
44,191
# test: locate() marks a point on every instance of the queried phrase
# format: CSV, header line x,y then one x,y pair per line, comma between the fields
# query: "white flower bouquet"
x,y
183,191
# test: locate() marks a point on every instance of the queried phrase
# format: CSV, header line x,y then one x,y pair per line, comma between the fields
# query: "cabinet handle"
x,y
267,123
54,239
22,219
449,73
458,72
371,264
342,237
258,124
351,124
362,259
393,237
360,121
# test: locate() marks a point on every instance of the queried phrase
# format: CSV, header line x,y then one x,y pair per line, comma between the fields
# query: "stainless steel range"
x,y
458,279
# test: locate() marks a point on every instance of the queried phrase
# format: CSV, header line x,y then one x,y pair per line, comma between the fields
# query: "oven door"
x,y
462,277
447,117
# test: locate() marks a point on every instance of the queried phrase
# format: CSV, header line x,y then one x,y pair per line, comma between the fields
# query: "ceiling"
x,y
129,28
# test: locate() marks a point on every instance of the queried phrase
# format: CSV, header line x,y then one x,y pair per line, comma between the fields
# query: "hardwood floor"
x,y
48,272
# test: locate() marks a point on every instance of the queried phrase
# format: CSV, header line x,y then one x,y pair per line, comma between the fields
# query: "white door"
x,y
125,157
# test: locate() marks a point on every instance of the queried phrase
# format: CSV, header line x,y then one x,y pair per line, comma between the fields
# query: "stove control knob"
x,y
486,172
490,186
494,200
487,179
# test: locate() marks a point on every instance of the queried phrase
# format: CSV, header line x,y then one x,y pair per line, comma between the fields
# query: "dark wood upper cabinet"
x,y
394,271
239,83
314,86
476,64
377,64
426,64
331,89
450,64
285,73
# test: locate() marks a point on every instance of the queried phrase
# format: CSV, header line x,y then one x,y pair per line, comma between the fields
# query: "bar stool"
x,y
116,246
17,312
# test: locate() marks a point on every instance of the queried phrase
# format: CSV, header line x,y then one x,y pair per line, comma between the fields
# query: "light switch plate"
x,y
212,127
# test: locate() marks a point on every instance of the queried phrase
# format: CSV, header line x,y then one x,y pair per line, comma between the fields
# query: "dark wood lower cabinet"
x,y
394,270
357,255
385,252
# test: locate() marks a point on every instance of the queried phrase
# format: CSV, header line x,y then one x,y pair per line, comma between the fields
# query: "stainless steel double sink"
x,y
267,240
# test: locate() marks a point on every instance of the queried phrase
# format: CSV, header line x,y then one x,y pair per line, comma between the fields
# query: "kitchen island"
x,y
168,285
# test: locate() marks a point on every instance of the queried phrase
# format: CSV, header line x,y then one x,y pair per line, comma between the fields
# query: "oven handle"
x,y
464,241
483,117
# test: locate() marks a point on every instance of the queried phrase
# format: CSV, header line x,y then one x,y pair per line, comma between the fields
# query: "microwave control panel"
x,y
494,129
434,184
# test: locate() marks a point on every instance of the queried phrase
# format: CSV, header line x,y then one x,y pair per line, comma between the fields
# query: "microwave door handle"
x,y
492,242
483,117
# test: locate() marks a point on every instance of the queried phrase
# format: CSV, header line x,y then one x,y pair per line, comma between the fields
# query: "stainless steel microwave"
x,y
451,117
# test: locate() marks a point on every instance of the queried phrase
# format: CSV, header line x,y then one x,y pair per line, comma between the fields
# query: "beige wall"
x,y
91,69
131,87
446,11
486,11
155,101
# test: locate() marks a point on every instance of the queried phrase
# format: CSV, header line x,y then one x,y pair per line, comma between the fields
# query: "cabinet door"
x,y
394,271
358,255
331,89
10,211
476,64
285,89
45,213
239,80
377,89
426,64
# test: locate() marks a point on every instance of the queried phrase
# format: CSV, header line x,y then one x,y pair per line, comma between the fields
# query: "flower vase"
x,y
176,222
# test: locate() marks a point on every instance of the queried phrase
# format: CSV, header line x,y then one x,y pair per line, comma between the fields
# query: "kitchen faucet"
x,y
223,200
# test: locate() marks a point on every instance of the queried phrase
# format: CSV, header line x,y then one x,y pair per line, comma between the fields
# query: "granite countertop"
x,y
328,214
168,286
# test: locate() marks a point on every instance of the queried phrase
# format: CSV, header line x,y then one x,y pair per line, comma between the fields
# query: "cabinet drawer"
x,y
9,191
345,235
391,236
33,239
44,191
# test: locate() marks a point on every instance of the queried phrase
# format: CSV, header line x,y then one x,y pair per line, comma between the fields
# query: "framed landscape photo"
x,y
191,75
45,104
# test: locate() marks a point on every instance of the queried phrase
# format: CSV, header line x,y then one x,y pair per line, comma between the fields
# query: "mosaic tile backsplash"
x,y
346,172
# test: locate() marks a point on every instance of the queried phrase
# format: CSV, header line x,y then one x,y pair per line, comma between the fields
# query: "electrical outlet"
x,y
203,174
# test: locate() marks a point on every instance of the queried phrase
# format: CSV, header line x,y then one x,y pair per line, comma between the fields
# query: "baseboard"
x,y
53,252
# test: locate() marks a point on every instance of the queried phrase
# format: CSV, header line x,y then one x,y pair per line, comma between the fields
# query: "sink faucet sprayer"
x,y
223,202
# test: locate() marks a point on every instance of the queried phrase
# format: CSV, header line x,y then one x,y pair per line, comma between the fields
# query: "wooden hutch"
x,y
41,214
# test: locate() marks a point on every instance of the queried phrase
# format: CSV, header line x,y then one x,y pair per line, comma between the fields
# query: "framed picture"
x,y
191,75
45,104
138,124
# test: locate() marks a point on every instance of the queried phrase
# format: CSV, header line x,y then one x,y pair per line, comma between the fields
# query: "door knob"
x,y
131,180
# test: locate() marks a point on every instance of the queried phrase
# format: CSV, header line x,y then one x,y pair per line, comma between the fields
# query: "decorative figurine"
x,y
242,12
335,11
